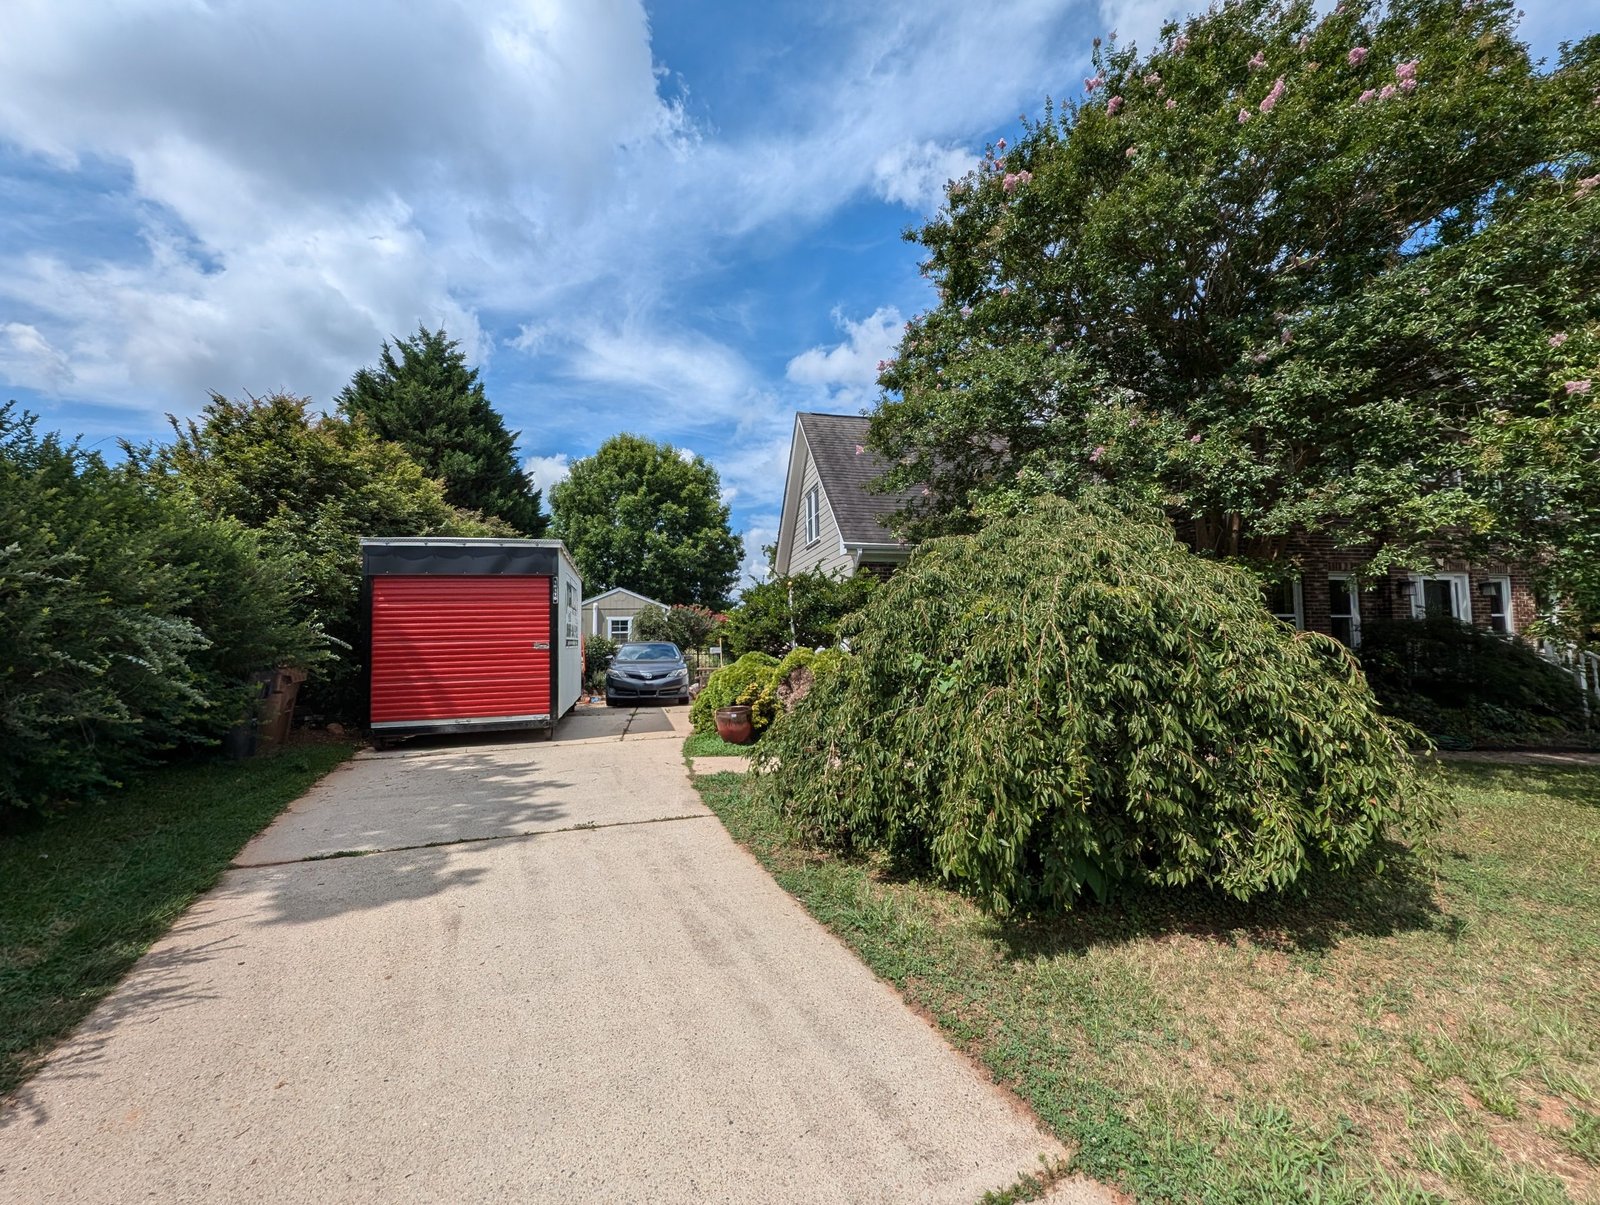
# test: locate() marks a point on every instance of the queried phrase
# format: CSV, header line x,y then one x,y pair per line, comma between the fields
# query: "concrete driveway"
x,y
551,976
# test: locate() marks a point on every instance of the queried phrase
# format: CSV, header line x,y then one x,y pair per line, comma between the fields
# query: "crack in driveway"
x,y
587,826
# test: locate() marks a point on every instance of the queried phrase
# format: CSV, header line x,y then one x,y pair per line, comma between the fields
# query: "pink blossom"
x,y
1305,40
1366,96
1260,357
1195,438
1113,106
1180,44
926,492
859,449
1258,61
1408,85
1244,116
1387,92
966,311
1013,179
1131,152
1357,56
882,364
1094,457
1588,185
1557,340
1270,100
1093,82
1171,104
1407,70
1152,79
1001,145
1579,386
1286,335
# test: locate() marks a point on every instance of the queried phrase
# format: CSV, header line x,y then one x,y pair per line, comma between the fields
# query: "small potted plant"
x,y
733,724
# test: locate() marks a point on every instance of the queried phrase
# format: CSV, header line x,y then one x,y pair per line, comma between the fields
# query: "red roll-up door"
x,y
455,647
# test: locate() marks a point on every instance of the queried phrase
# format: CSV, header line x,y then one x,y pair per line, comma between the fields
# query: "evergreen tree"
x,y
423,397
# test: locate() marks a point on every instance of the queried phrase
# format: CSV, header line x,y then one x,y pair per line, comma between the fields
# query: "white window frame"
x,y
1504,582
627,627
1299,619
1460,594
813,515
1355,606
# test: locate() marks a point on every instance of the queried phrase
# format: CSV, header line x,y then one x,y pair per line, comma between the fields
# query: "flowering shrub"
x,y
1069,700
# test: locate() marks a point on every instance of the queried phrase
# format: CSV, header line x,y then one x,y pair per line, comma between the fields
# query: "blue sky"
x,y
677,219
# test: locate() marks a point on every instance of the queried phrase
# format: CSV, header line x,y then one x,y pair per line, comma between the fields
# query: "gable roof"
x,y
846,469
625,590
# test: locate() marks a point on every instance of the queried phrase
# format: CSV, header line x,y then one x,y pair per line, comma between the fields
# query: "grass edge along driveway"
x,y
83,895
1430,1036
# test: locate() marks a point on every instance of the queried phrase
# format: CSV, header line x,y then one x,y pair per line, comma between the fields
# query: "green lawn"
x,y
84,895
709,744
1432,1036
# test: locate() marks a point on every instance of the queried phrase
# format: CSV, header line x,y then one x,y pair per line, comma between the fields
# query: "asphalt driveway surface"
x,y
521,972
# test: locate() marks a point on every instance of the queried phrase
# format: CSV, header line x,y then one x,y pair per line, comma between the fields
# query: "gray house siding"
x,y
827,552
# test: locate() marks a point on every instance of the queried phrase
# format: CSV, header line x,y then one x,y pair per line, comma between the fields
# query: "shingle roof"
x,y
846,473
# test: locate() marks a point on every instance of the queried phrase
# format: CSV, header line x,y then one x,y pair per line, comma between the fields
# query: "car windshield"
x,y
648,652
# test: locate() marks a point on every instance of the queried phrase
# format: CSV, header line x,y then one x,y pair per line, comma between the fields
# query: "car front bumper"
x,y
625,688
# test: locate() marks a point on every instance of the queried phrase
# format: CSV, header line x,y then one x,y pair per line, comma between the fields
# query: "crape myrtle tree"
x,y
423,397
649,517
1286,271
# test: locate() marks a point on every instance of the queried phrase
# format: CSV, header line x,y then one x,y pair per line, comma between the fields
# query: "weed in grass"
x,y
1584,1137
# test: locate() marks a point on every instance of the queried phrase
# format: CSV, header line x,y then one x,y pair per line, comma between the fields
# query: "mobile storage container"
x,y
470,635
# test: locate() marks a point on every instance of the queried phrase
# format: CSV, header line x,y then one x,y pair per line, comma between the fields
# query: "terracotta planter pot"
x,y
733,725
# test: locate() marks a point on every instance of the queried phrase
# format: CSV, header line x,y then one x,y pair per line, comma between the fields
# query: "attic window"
x,y
813,516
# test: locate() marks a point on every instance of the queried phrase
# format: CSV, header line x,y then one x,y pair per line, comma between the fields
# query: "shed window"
x,y
1284,601
621,627
813,516
1344,609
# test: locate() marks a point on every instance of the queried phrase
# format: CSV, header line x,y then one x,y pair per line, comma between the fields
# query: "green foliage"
x,y
429,402
688,627
749,681
133,620
1068,700
1293,269
637,514
1465,686
597,654
800,611
312,485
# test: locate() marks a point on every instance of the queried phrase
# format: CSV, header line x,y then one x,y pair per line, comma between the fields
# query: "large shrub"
x,y
804,610
1070,699
597,654
132,621
1465,686
748,681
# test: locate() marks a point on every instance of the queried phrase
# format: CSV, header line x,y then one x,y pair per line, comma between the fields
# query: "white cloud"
x,y
26,358
763,530
547,471
847,372
339,175
916,176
